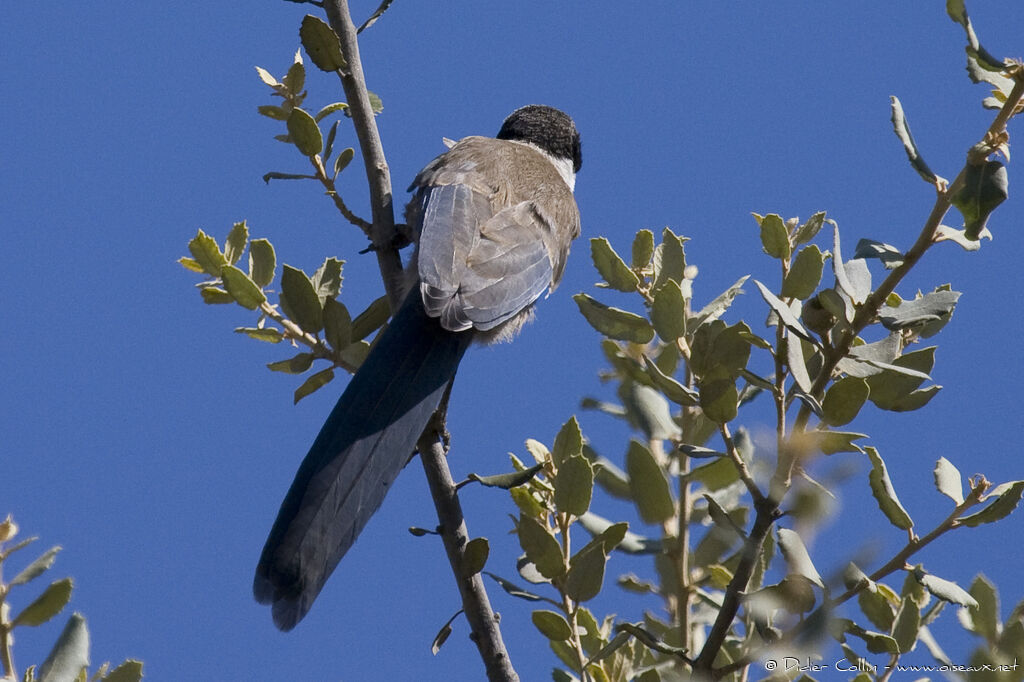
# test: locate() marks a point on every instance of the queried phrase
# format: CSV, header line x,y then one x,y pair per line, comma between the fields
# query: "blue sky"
x,y
146,438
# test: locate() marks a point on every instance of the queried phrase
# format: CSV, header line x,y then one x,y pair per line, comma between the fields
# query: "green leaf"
x,y
331,135
877,608
669,259
907,625
648,410
304,132
541,547
647,485
509,480
902,130
586,572
327,279
944,589
296,365
215,296
985,187
267,177
668,312
513,589
129,671
843,400
330,109
376,104
190,264
321,43
719,400
948,480
885,494
552,625
929,307
810,229
568,442
783,311
355,353
877,643
69,657
1007,498
300,301
205,251
47,605
796,556
337,324
295,79
673,390
262,262
712,311
236,241
242,289
441,637
611,267
643,249
314,382
344,158
945,233
613,322
715,475
774,236
805,273
574,484
890,256
983,618
271,111
266,77
371,319
474,556
831,442
267,334
36,568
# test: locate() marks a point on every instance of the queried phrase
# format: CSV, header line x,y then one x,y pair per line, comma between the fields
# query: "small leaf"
x,y
509,480
574,485
129,671
268,334
205,251
371,319
831,442
440,638
266,77
948,480
344,158
985,187
314,382
190,264
327,279
668,312
643,249
804,274
36,568
944,589
376,104
774,236
262,262
330,109
568,442
272,111
321,43
236,241
242,289
712,311
947,233
719,400
47,605
890,256
541,547
215,296
304,132
611,267
902,130
329,143
885,494
796,556
337,324
613,322
552,625
474,556
810,229
512,589
843,400
983,619
786,315
69,657
669,259
300,300
673,390
586,572
1007,498
933,306
906,626
354,354
716,475
296,365
647,484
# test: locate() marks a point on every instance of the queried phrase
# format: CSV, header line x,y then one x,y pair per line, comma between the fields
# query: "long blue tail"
x,y
364,444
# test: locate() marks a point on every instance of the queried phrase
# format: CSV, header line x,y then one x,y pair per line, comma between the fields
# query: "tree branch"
x,y
475,603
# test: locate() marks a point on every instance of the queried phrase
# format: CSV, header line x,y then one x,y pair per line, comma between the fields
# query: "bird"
x,y
493,220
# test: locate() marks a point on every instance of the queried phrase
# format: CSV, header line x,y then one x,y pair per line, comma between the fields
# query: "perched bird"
x,y
494,219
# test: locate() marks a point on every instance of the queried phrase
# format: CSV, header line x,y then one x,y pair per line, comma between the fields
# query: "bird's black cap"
x,y
550,129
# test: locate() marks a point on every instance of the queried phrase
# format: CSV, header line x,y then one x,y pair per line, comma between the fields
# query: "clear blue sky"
x,y
140,433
